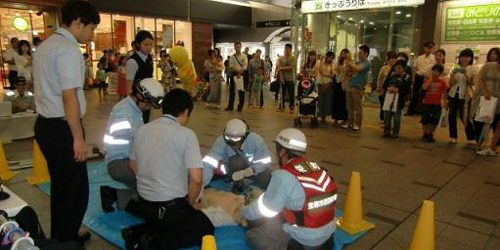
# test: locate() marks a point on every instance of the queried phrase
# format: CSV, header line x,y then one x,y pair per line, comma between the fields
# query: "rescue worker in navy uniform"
x,y
124,121
238,154
140,64
299,204
21,98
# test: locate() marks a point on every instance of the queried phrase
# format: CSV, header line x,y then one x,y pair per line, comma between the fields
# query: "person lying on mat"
x,y
238,154
303,193
164,156
124,121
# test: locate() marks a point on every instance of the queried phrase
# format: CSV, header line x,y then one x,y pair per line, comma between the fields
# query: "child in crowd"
x,y
122,82
257,82
101,78
435,92
396,88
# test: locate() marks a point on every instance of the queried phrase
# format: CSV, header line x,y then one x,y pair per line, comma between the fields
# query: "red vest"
x,y
320,195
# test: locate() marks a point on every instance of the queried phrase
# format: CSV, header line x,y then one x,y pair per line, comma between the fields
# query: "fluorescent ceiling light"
x,y
398,12
362,21
246,4
408,15
372,23
350,18
339,16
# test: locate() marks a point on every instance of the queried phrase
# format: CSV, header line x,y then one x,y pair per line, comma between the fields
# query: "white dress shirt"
x,y
57,66
424,64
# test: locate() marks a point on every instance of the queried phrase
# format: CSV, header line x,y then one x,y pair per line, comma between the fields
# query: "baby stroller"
x,y
307,99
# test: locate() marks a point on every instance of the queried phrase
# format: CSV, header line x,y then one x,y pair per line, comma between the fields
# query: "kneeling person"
x,y
238,154
304,193
124,121
166,159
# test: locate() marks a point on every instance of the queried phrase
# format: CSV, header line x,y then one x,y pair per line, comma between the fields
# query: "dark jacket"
x,y
402,83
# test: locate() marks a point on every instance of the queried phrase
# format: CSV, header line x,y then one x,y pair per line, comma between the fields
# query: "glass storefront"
x,y
383,30
23,24
117,32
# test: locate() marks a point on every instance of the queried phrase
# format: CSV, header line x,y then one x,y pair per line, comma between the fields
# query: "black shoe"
x,y
239,109
386,135
108,197
431,139
425,137
82,238
228,109
394,136
131,242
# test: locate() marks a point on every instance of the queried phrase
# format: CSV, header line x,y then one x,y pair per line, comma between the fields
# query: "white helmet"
x,y
292,139
235,132
151,91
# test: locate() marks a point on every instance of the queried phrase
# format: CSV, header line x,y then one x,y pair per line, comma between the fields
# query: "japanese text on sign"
x,y
337,5
472,23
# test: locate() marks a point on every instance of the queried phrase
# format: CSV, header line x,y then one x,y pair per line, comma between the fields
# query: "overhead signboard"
x,y
339,5
480,23
277,23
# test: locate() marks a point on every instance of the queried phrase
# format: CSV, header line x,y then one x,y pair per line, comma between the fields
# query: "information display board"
x,y
480,23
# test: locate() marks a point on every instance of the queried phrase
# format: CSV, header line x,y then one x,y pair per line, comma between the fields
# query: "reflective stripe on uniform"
x,y
265,211
213,162
119,126
265,160
108,139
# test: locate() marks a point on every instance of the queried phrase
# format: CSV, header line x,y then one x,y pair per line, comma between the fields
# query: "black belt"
x,y
41,117
164,203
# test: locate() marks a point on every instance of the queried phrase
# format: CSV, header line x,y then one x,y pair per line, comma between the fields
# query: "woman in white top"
x,y
326,73
23,60
460,90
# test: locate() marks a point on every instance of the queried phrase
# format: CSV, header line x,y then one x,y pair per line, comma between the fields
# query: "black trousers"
x,y
288,88
70,186
170,225
12,79
28,221
381,99
455,107
417,96
232,90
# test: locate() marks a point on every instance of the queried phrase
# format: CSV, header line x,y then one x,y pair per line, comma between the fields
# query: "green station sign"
x,y
479,23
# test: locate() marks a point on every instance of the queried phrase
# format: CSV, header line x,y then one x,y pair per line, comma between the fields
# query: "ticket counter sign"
x,y
339,5
479,23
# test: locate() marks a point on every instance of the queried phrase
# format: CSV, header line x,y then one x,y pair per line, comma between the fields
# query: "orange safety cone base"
x,y
8,175
5,173
35,180
40,172
359,227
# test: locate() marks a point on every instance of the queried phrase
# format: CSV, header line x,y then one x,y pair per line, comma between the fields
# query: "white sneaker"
x,y
355,128
345,126
487,152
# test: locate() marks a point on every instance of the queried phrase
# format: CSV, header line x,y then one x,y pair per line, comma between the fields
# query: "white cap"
x,y
292,139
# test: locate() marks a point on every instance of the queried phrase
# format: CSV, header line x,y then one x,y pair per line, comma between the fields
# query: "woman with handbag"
x,y
326,73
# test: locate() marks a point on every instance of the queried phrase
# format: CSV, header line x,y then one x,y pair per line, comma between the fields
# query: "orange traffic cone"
x,y
424,234
5,172
208,243
40,172
352,222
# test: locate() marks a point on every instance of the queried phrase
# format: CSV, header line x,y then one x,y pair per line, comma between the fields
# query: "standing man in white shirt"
x,y
421,69
59,73
238,64
9,58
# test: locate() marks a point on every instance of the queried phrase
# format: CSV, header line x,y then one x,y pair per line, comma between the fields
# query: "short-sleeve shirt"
x,y
491,76
461,86
359,79
57,66
434,92
14,97
424,64
238,62
285,62
132,67
10,55
164,151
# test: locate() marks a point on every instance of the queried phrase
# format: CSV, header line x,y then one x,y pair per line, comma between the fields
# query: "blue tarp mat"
x,y
109,225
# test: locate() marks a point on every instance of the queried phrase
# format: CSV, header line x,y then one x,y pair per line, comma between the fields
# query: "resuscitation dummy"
x,y
224,208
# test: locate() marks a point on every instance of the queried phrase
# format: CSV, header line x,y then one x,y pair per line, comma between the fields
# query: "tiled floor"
x,y
397,175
